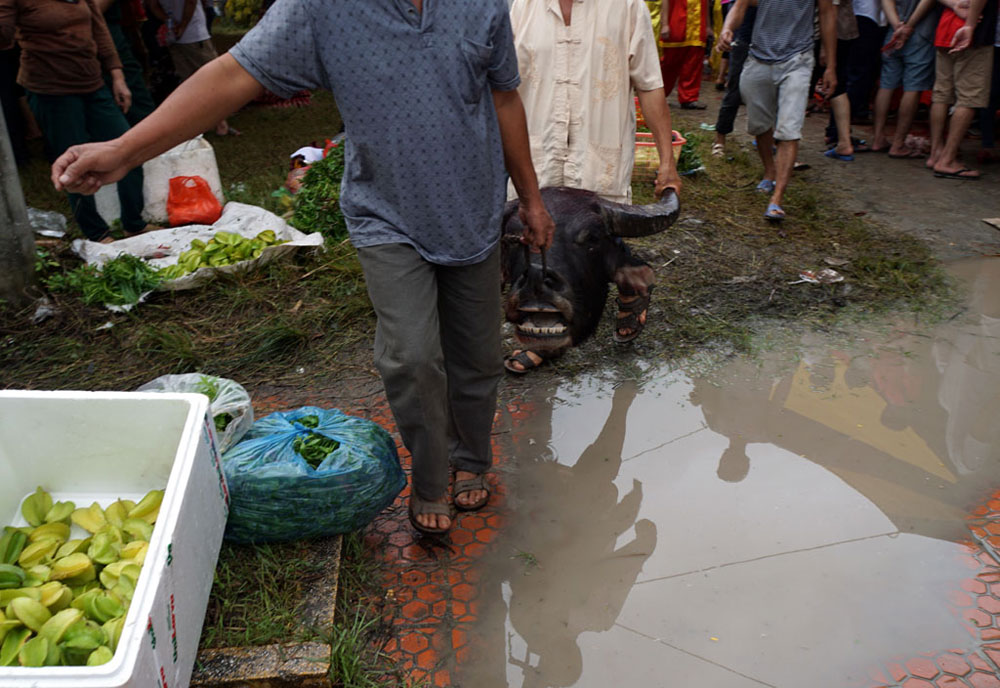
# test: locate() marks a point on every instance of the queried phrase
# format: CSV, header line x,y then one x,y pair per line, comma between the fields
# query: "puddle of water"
x,y
791,523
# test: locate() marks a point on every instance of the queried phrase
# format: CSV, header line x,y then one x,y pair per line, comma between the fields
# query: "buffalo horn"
x,y
641,220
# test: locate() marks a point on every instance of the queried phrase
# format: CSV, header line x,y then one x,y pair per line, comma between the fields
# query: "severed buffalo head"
x,y
555,300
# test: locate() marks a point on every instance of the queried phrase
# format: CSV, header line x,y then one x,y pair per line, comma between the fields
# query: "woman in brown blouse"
x,y
65,50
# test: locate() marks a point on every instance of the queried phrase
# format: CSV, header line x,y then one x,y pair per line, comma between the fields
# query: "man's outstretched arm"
x,y
214,92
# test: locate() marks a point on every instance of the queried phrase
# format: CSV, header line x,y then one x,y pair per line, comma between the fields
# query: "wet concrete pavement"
x,y
812,519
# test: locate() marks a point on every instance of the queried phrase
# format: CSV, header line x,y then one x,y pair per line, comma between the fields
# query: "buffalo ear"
x,y
641,220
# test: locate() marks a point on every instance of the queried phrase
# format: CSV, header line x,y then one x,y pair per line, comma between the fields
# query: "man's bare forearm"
x,y
516,147
657,116
215,91
828,32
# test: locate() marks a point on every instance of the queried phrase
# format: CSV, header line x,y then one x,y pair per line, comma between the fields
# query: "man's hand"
x,y
899,37
538,225
829,82
725,42
120,91
667,178
961,40
86,168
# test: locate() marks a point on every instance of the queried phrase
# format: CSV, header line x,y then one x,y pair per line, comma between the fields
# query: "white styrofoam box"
x,y
102,446
193,157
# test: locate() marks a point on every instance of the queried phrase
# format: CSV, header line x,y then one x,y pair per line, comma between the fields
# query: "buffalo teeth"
x,y
530,329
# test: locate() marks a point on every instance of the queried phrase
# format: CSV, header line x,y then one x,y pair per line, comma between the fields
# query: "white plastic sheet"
x,y
161,248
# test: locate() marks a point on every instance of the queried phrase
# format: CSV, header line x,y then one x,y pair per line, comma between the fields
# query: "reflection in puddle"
x,y
775,524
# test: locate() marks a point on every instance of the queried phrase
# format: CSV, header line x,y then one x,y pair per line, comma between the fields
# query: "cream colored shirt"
x,y
577,87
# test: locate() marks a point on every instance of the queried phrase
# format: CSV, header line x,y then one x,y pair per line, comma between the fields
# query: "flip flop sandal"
x,y
632,309
522,357
421,507
766,186
718,150
774,213
958,175
471,485
832,153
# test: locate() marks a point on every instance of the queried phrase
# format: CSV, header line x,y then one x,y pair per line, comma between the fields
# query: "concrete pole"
x,y
17,244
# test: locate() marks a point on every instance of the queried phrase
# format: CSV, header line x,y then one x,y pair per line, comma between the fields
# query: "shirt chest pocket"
x,y
473,61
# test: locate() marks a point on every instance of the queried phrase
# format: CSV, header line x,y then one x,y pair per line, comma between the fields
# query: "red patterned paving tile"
x,y
486,535
953,664
439,609
979,663
993,528
897,671
427,659
461,537
414,643
474,550
950,682
983,680
494,521
993,654
430,593
414,578
989,604
975,586
994,505
413,552
415,610
464,592
458,638
977,617
917,683
970,562
991,633
922,668
473,523
442,679
877,676
960,599
459,609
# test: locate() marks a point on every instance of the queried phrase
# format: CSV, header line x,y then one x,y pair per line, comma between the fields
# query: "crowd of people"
x,y
539,92
76,71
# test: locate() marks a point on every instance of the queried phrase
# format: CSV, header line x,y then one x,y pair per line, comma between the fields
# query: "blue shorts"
x,y
911,67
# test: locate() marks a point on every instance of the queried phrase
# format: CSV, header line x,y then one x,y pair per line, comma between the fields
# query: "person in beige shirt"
x,y
581,61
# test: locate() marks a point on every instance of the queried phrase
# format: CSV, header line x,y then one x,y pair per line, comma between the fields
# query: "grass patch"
x,y
258,595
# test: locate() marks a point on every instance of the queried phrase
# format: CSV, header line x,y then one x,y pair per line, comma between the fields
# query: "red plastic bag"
x,y
191,202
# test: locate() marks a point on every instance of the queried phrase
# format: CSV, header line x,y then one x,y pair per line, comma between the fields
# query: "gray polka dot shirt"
x,y
424,161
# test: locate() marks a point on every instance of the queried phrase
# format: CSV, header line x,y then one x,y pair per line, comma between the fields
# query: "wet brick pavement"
x,y
976,602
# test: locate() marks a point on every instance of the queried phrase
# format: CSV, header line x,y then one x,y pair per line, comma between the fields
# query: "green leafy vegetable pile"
x,y
317,204
313,447
119,282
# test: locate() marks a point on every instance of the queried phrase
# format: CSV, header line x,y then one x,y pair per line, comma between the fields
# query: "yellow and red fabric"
x,y
686,22
683,67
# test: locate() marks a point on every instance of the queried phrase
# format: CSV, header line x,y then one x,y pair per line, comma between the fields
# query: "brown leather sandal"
x,y
471,485
421,507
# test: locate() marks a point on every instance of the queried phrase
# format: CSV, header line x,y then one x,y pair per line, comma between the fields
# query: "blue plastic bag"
x,y
275,495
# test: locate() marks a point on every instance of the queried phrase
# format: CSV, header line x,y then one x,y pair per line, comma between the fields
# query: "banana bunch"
x,y
63,600
225,248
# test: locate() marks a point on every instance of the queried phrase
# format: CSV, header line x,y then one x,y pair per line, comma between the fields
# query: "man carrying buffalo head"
x,y
579,67
427,92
